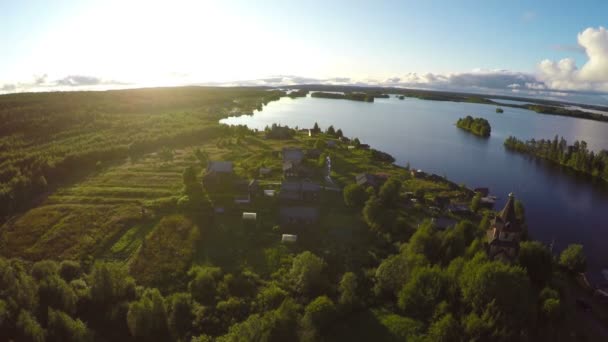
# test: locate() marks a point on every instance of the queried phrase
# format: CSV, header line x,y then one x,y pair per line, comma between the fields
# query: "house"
x,y
269,193
293,170
292,155
483,191
367,180
218,172
299,191
443,223
313,153
505,233
331,143
290,238
298,216
364,146
264,171
418,173
459,209
250,216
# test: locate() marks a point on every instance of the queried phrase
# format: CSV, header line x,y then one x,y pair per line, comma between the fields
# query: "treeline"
x,y
298,93
576,156
477,126
346,96
561,111
49,138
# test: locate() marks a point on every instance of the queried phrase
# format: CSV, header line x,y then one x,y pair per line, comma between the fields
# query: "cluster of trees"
x,y
279,132
576,156
298,93
477,126
50,138
354,96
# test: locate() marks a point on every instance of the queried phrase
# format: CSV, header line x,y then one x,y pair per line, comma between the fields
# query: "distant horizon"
x,y
533,49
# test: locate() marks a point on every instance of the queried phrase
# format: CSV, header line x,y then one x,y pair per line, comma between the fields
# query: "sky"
x,y
554,49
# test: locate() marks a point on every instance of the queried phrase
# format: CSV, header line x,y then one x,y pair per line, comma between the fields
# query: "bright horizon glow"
x,y
471,46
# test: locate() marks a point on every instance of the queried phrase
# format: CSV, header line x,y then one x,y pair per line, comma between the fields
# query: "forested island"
x,y
298,93
499,110
188,230
576,156
477,126
346,96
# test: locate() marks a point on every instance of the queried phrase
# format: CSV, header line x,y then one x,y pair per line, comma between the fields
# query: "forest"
x,y
49,138
354,96
477,126
129,241
576,156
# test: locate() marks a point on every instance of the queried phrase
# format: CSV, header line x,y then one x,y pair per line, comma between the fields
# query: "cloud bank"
x,y
553,79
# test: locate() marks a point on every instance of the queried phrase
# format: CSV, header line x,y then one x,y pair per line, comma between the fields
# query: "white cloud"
x,y
592,76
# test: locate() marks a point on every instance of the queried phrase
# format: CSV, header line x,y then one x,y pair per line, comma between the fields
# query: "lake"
x,y
560,205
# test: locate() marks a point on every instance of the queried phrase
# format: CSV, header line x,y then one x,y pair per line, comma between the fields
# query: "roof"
x,y
309,186
292,154
249,216
366,178
508,217
220,166
306,213
289,238
287,165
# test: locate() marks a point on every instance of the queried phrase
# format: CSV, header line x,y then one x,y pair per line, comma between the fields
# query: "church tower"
x,y
505,233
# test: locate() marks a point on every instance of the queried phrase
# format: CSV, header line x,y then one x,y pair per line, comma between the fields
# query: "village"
x,y
298,195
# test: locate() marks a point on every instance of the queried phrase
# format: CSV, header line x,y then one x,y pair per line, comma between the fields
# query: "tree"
x,y
537,260
348,290
331,130
506,287
355,195
320,313
339,133
356,142
202,156
203,286
426,288
110,284
191,184
180,315
307,273
69,270
316,129
63,328
389,193
270,297
445,329
573,258
165,154
147,317
28,329
476,202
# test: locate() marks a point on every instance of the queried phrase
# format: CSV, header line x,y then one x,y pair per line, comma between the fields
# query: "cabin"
x,y
505,234
298,216
292,155
296,191
218,172
293,170
264,171
250,217
418,174
443,223
364,146
483,191
289,238
373,180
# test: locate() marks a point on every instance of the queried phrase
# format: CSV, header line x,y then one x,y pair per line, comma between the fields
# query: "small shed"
x,y
290,238
269,193
250,216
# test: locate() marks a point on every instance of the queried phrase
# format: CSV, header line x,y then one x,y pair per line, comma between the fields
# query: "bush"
x,y
573,258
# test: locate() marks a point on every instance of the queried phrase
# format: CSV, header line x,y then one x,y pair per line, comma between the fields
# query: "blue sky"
x,y
59,44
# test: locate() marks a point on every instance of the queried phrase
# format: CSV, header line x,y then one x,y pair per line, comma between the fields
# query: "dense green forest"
x,y
298,93
346,96
137,245
557,110
477,126
576,156
48,138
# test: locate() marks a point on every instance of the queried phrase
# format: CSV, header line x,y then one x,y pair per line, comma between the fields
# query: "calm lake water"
x,y
559,205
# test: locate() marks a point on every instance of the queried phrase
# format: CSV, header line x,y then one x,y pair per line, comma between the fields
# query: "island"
x,y
499,110
298,93
575,157
477,126
173,227
355,96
